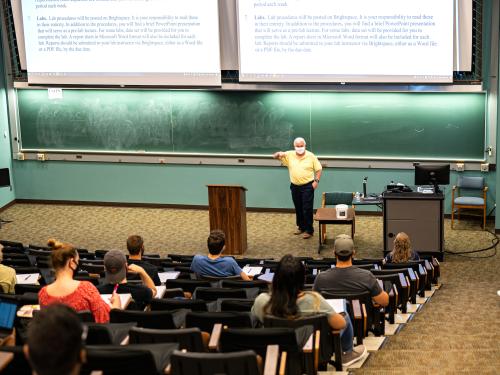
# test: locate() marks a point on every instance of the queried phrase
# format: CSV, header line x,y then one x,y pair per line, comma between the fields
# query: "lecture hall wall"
x,y
186,184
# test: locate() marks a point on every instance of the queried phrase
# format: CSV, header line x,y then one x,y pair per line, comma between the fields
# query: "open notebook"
x,y
337,304
125,299
28,278
168,275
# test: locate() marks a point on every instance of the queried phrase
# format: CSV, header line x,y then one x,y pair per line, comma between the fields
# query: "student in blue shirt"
x,y
214,264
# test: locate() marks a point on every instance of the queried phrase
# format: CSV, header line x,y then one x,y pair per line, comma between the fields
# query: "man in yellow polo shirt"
x,y
305,173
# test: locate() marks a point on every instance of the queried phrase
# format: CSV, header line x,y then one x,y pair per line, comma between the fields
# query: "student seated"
x,y
80,295
289,300
402,251
214,264
55,343
7,276
135,247
116,267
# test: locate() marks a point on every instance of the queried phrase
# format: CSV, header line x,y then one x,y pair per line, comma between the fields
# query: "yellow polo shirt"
x,y
301,169
7,279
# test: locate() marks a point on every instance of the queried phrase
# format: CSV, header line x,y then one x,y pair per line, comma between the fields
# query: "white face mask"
x,y
300,150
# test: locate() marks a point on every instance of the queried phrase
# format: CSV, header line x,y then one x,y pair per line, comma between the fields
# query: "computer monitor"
x,y
4,177
432,174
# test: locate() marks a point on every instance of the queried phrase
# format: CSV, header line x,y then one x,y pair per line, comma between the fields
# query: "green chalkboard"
x,y
354,125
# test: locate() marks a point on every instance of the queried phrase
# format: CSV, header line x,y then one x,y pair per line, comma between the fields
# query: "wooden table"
x,y
328,215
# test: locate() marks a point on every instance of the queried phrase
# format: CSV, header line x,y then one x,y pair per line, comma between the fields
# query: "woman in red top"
x,y
80,295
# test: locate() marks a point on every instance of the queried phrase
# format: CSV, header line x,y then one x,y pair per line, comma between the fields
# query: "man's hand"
x,y
315,185
278,155
134,268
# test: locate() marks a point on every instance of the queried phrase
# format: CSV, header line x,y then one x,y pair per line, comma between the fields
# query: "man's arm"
x,y
382,299
144,277
244,276
278,155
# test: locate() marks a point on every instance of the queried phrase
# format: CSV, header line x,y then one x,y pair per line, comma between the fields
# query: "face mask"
x,y
300,150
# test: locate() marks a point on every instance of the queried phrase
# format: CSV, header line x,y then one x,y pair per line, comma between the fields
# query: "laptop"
x,y
7,316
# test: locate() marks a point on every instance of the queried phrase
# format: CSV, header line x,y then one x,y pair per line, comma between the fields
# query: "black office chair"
x,y
189,339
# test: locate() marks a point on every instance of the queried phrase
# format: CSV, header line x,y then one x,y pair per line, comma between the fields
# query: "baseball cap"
x,y
344,245
115,266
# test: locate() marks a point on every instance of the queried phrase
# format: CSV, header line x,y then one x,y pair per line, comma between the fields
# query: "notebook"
x,y
28,278
337,304
125,299
252,271
7,315
160,291
169,275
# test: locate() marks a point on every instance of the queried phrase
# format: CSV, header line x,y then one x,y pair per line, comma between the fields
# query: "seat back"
x,y
107,334
336,197
186,284
288,339
159,304
146,319
261,284
240,304
213,294
19,365
242,362
470,183
188,338
12,244
205,320
124,359
86,316
319,322
27,288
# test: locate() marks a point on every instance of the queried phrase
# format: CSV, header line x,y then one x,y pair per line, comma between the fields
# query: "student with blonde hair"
x,y
80,295
402,251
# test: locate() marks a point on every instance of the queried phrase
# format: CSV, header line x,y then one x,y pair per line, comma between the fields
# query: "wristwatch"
x,y
316,180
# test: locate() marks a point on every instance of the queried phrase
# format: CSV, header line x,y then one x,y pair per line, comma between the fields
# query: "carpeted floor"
x,y
457,332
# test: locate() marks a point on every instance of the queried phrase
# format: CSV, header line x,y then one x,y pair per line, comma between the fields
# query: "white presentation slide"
x,y
346,41
136,42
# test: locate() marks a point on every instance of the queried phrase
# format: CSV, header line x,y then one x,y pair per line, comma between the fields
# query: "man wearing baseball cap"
x,y
116,267
345,279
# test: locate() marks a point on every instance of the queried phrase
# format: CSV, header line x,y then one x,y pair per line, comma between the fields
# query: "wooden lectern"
x,y
227,211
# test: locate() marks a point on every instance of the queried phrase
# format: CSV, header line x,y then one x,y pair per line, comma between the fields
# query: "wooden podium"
x,y
227,211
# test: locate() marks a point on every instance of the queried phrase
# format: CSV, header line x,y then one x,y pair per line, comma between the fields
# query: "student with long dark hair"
x,y
289,300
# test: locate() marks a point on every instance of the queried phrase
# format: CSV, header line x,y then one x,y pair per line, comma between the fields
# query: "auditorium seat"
x,y
297,343
241,362
190,339
213,294
169,304
144,359
205,321
107,334
149,319
329,342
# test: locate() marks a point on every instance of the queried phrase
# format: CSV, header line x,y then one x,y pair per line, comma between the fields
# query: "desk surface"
x,y
330,214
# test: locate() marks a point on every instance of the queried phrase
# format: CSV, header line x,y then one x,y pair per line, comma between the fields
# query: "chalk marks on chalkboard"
x,y
161,121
